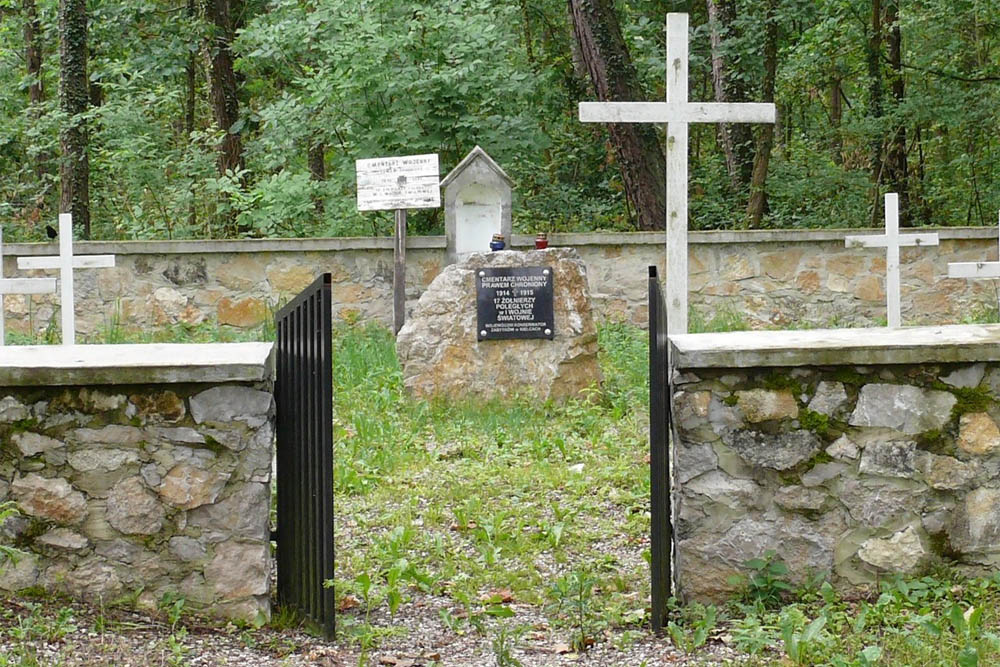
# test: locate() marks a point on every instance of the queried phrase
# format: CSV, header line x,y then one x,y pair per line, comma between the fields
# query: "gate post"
x,y
661,534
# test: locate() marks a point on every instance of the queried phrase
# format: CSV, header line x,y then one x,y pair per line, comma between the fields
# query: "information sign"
x,y
514,303
391,183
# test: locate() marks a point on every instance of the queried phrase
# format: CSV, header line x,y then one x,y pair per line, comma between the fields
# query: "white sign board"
x,y
392,183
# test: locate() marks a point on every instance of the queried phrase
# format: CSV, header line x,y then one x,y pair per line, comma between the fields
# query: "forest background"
x,y
233,118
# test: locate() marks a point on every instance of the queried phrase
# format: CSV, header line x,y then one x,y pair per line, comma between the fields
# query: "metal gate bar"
x,y
304,397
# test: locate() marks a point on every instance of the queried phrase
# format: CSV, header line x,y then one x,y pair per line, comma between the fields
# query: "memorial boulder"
x,y
531,332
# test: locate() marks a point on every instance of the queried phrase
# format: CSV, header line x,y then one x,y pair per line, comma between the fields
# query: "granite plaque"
x,y
514,303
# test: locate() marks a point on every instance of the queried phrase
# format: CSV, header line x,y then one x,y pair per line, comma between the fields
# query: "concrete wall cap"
x,y
837,347
164,363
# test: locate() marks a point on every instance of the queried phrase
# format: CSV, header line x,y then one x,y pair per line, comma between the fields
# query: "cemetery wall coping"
x,y
438,242
837,347
52,365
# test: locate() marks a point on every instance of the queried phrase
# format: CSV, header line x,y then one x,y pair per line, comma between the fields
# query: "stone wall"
x,y
139,488
774,278
856,455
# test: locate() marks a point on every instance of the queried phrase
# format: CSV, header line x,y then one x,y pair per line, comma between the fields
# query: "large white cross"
x,y
66,262
676,112
20,286
974,269
891,241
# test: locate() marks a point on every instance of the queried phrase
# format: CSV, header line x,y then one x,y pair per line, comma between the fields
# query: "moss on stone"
x,y
816,422
777,381
850,376
934,441
970,399
731,400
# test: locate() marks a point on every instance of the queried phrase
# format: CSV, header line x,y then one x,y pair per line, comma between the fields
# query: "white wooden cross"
x,y
20,286
891,241
66,262
676,112
974,269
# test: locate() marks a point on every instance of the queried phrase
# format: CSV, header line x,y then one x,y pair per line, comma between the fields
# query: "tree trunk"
x,y
317,170
640,156
736,138
225,102
836,118
190,82
757,205
875,104
33,61
74,95
896,167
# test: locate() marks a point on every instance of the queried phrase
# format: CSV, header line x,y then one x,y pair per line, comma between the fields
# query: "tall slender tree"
x,y
637,148
74,98
757,205
225,98
736,138
33,61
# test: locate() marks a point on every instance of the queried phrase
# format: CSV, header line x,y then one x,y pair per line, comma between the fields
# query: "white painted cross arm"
x,y
20,286
78,262
974,269
66,262
684,112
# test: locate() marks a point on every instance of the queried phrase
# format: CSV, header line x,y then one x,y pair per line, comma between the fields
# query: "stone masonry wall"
x,y
141,489
773,278
852,471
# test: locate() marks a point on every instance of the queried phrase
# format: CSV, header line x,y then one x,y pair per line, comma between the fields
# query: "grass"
x,y
479,500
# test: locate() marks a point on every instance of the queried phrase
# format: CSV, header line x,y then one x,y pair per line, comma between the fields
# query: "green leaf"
x,y
813,629
871,654
969,657
499,611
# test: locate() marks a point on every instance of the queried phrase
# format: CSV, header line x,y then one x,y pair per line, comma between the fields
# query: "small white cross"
x,y
20,286
974,270
676,112
891,241
66,262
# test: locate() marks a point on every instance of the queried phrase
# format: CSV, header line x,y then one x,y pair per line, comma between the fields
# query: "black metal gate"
x,y
659,463
304,396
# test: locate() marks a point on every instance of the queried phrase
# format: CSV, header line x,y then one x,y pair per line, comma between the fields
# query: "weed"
x,y
694,630
504,642
573,594
765,585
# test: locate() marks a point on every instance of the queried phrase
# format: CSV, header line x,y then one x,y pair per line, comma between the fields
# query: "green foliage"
x,y
720,321
343,80
765,584
692,631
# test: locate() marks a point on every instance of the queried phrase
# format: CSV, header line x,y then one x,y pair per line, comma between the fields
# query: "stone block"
x,y
905,408
245,313
51,499
904,552
133,510
828,398
759,405
978,434
186,486
890,459
778,452
227,403
238,570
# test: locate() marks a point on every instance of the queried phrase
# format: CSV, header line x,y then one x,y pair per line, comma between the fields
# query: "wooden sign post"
x,y
397,184
66,263
20,286
676,112
891,241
